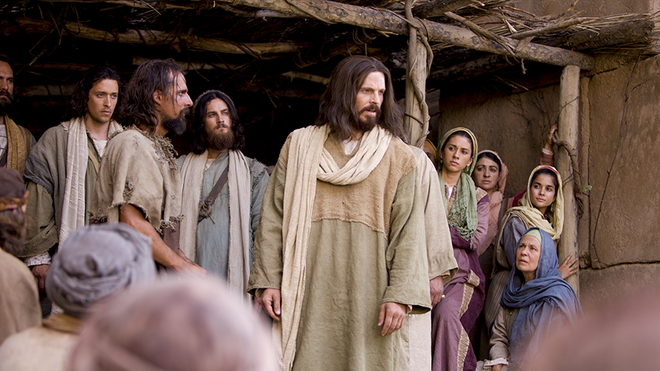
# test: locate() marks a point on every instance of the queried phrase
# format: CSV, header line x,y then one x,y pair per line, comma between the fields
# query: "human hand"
x,y
437,290
496,368
40,272
271,302
548,140
568,267
191,269
391,317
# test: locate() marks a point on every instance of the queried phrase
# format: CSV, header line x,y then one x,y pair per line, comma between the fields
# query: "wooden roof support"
x,y
150,38
378,19
569,118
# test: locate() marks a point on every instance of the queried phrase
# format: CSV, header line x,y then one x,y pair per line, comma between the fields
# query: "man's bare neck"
x,y
97,130
2,120
214,153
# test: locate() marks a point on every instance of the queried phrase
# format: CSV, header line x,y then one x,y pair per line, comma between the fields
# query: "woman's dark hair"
x,y
337,106
12,230
490,156
197,130
547,172
138,104
93,75
462,134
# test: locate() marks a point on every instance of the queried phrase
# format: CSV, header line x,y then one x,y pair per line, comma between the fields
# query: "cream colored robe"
x,y
366,247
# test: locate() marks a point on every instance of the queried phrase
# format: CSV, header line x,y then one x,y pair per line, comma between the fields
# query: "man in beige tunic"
x,y
139,178
340,254
62,169
442,264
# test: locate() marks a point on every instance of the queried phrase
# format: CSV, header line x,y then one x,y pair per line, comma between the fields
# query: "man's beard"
x,y
368,123
176,125
220,141
6,103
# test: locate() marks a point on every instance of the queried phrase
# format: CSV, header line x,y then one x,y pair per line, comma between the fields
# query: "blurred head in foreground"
x,y
191,324
624,336
95,262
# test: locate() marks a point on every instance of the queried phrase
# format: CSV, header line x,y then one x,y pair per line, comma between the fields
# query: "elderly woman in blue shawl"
x,y
536,300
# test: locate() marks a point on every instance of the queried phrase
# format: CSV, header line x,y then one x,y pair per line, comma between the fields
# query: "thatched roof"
x,y
274,53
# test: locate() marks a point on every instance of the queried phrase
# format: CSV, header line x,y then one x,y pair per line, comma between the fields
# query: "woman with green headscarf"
x,y
467,212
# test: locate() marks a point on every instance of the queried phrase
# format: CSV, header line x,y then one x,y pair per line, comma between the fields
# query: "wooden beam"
x,y
438,8
569,117
467,70
307,76
190,66
334,12
45,90
149,38
634,31
155,5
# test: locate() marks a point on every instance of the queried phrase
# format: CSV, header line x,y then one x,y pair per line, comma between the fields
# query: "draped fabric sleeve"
x,y
513,231
42,233
406,253
483,211
266,271
259,178
499,341
438,239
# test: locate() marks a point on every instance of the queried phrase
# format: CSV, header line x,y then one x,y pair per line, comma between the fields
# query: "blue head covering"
x,y
541,302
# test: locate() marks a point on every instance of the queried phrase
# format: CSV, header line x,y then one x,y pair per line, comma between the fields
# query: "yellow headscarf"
x,y
532,217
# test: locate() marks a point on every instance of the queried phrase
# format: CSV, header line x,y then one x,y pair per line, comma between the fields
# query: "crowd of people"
x,y
360,251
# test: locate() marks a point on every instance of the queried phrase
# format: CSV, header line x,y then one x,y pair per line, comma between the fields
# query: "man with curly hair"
x,y
139,181
62,169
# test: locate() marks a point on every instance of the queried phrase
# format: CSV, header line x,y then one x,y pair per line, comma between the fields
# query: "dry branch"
x,y
333,12
151,38
306,76
439,7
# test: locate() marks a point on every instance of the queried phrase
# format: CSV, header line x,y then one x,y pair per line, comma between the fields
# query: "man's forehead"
x,y
218,103
105,85
179,81
5,69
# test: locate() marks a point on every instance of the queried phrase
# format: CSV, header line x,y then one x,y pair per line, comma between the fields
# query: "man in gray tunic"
x,y
221,192
62,169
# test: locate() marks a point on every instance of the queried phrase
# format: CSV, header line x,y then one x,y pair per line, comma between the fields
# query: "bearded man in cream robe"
x,y
62,169
217,232
340,253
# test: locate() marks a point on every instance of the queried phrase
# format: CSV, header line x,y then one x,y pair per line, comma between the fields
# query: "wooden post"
x,y
416,120
569,116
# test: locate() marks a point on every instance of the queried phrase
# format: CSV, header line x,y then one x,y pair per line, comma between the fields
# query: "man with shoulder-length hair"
x,y
15,140
221,192
139,178
339,256
62,169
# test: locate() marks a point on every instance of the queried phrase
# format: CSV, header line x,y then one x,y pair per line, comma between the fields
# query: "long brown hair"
x,y
138,106
337,106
